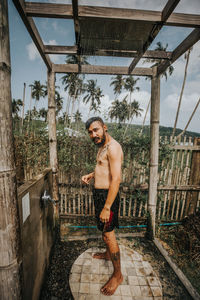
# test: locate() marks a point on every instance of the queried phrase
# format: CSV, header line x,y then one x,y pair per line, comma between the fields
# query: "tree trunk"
x,y
154,151
53,140
10,274
145,116
23,108
190,119
29,117
181,95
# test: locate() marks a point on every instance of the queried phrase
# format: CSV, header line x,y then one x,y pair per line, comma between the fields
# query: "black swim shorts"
x,y
100,196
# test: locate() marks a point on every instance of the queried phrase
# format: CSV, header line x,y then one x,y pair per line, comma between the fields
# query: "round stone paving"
x,y
88,275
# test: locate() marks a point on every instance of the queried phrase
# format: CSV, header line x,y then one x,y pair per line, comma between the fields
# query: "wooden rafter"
x,y
104,70
52,10
190,40
30,25
168,9
56,49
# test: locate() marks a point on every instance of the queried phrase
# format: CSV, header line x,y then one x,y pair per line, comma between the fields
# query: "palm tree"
x,y
43,113
38,90
119,111
16,107
94,95
187,56
156,62
118,83
77,119
134,110
59,103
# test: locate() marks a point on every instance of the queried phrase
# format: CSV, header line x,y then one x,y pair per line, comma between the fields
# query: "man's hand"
x,y
86,178
104,215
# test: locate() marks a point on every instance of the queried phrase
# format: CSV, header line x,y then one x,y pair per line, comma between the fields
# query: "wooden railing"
x,y
178,187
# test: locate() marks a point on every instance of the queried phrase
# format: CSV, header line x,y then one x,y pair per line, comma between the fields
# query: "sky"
x,y
27,65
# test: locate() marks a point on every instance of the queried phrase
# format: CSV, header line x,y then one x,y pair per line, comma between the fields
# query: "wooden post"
x,y
53,139
194,179
154,150
10,279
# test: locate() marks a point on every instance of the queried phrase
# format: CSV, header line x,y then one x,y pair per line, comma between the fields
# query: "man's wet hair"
x,y
91,120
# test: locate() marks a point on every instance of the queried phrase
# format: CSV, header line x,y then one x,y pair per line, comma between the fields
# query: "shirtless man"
x,y
107,177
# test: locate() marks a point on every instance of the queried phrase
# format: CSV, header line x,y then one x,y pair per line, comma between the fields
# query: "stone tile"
x,y
82,296
103,278
103,270
138,264
95,278
85,277
149,272
128,264
140,272
113,297
146,264
74,286
157,292
95,289
92,297
103,297
76,269
87,255
131,271
142,280
95,269
125,290
133,280
158,298
136,256
75,295
84,288
86,269
75,277
153,281
127,298
125,280
135,290
146,291
79,261
124,271
117,292
144,298
87,262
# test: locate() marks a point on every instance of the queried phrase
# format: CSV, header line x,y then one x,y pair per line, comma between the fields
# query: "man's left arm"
x,y
115,161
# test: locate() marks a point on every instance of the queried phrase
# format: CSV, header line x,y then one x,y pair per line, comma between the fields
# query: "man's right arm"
x,y
86,178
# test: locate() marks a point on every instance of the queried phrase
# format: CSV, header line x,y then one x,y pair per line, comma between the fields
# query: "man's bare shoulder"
x,y
114,146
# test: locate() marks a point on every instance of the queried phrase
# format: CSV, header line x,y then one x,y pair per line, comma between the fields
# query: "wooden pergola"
x,y
101,31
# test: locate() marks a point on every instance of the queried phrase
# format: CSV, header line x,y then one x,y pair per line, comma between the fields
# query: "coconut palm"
x,y
119,111
16,107
38,90
156,62
134,111
77,119
187,56
93,96
118,83
59,103
43,113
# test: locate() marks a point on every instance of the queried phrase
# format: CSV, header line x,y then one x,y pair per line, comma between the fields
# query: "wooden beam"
x,y
48,10
169,7
76,22
190,40
30,26
154,153
52,10
56,49
104,70
51,49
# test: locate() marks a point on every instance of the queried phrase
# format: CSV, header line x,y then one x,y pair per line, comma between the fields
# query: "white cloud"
x,y
33,53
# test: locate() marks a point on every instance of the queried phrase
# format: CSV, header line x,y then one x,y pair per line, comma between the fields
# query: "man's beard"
x,y
103,139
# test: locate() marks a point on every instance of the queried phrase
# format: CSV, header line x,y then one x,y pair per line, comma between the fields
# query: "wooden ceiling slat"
x,y
169,7
104,70
56,49
30,25
52,10
192,38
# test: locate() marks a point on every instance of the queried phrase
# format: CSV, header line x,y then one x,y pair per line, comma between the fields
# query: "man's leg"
x,y
116,278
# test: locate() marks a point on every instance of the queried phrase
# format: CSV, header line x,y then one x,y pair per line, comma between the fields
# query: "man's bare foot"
x,y
111,285
102,255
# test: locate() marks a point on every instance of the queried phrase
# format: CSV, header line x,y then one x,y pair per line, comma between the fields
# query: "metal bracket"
x,y
45,199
